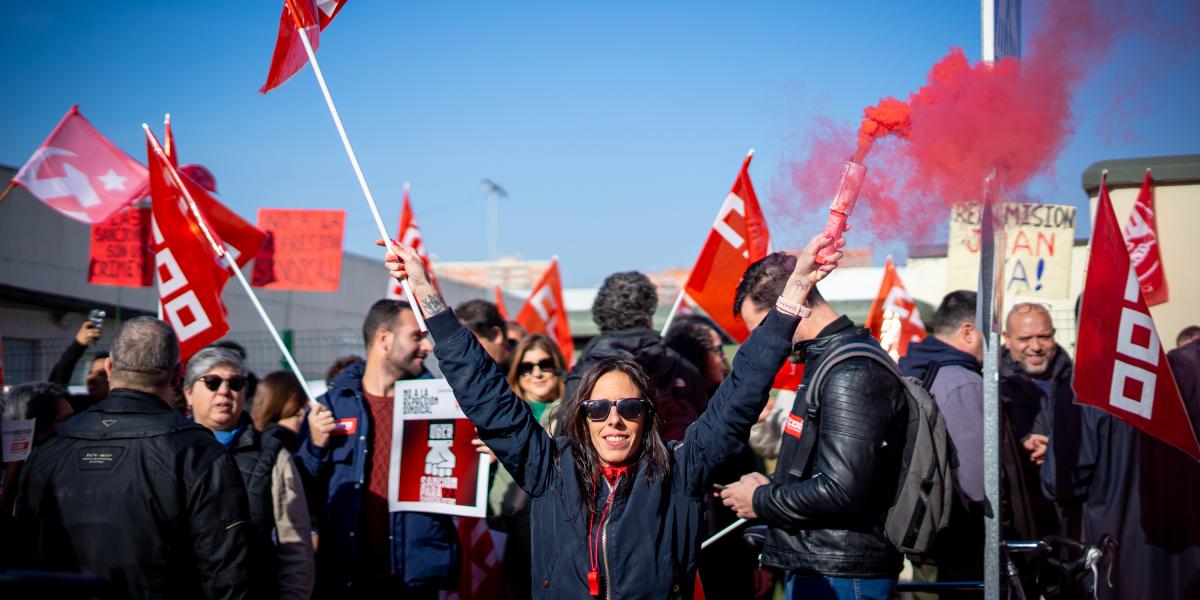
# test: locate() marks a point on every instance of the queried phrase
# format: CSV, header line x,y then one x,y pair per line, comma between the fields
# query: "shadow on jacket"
x,y
140,495
651,540
681,388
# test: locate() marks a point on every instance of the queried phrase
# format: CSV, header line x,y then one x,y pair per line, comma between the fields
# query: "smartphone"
x,y
97,317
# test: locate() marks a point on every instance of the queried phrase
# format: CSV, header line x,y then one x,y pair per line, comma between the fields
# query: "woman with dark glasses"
x,y
616,511
536,376
215,390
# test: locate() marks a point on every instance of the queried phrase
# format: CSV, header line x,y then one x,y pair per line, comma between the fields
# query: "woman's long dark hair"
x,y
652,452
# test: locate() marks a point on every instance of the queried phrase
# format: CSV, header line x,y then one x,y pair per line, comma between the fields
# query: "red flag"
x,y
1120,364
738,237
307,17
500,303
483,564
190,273
120,250
409,234
789,376
1141,240
893,318
544,312
81,174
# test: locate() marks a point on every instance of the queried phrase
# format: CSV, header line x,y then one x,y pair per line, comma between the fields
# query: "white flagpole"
x,y
362,180
722,533
223,254
671,315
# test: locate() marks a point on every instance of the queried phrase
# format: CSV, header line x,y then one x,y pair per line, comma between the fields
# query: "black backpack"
x,y
925,492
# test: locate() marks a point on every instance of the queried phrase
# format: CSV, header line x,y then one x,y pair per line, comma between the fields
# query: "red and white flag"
x,y
409,234
1141,240
483,562
738,237
1120,365
893,318
544,312
300,17
80,173
190,274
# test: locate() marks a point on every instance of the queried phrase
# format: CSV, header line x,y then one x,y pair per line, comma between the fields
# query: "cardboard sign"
x,y
434,467
1037,252
303,251
16,435
120,250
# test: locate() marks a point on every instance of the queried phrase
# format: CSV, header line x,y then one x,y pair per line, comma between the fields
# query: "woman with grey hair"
x,y
215,390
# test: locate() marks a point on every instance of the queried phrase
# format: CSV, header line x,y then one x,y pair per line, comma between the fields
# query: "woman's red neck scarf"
x,y
613,476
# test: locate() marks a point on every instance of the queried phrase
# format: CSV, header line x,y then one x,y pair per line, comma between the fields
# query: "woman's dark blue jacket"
x,y
651,540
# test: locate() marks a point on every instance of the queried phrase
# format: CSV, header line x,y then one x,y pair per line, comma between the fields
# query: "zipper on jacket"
x,y
612,494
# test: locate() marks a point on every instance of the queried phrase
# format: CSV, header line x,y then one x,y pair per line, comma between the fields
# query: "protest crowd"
x,y
460,453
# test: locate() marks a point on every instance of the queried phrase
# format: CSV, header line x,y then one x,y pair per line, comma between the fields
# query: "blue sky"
x,y
617,128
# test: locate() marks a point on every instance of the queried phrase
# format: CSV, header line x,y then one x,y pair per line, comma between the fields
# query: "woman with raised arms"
x,y
616,511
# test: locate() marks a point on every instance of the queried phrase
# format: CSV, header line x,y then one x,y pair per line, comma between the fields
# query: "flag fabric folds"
x,y
300,17
409,234
190,273
894,319
1141,240
500,303
738,237
80,173
1121,366
545,312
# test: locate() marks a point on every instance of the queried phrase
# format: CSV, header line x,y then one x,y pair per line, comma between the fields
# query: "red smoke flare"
x,y
1011,117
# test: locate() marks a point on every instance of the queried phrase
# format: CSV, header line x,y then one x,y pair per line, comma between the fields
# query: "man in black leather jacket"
x,y
826,514
134,492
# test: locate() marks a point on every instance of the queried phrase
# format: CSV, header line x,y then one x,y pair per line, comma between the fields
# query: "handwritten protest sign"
x,y
303,251
434,467
1037,251
120,250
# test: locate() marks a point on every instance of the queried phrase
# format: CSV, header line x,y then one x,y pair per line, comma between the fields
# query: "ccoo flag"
x,y
1141,240
893,318
1120,364
544,312
738,237
300,17
409,234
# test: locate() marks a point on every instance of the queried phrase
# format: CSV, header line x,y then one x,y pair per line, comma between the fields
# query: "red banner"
x,y
120,250
738,237
545,312
1141,240
1120,365
893,318
305,250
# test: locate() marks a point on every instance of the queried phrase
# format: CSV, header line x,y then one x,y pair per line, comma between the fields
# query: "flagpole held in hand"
x,y
362,180
223,253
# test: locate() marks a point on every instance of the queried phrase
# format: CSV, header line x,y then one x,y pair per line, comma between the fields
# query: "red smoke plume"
x,y
1012,117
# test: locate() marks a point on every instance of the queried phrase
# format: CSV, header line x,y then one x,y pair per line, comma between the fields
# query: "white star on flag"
x,y
112,181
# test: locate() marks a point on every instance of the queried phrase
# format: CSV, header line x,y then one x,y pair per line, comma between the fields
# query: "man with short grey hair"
x,y
134,492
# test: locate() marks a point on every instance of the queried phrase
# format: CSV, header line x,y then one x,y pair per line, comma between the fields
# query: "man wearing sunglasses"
x,y
366,550
134,492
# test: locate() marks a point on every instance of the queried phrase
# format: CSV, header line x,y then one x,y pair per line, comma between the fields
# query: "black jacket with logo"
x,y
136,493
827,518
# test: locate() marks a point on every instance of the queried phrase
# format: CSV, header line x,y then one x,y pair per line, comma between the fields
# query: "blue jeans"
x,y
838,588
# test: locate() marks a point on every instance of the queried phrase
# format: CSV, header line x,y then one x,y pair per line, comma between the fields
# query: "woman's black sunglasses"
x,y
629,408
546,365
213,382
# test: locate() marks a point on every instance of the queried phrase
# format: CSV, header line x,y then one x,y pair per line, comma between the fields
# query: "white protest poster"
x,y
17,437
434,467
1037,252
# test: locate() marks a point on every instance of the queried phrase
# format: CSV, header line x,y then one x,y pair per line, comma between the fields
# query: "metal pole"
x,y
990,264
671,315
722,533
988,30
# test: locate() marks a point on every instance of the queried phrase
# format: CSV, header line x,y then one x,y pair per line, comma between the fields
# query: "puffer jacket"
x,y
138,494
425,553
651,538
827,519
682,393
